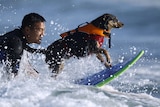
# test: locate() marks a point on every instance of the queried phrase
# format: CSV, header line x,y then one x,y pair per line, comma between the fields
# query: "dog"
x,y
82,42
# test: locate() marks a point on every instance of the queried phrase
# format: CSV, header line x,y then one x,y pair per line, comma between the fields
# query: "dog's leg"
x,y
100,57
105,52
57,69
99,51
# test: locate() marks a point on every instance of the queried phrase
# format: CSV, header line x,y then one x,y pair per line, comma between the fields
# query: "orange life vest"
x,y
94,32
89,28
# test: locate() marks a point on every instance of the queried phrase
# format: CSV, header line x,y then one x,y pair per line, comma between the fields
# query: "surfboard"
x,y
105,76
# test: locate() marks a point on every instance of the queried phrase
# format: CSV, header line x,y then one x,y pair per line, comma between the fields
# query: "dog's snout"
x,y
119,24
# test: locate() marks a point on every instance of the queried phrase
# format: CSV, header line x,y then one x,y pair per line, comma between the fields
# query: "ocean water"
x,y
137,87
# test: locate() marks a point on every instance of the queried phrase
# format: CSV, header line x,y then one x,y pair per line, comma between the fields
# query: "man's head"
x,y
33,27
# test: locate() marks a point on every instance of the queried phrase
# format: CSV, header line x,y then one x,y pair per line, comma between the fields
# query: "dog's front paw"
x,y
107,65
108,58
54,76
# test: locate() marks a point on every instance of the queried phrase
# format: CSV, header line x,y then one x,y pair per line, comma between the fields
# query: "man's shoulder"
x,y
13,33
11,36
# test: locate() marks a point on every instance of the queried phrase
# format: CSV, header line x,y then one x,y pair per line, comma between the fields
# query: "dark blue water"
x,y
138,87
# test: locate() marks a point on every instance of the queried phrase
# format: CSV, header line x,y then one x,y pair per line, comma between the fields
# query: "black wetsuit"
x,y
11,48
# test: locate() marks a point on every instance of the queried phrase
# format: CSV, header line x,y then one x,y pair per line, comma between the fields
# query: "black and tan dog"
x,y
83,41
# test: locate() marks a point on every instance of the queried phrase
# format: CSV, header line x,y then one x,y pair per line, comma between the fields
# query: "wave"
x,y
48,92
139,86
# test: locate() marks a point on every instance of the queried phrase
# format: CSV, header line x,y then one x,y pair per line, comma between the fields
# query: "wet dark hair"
x,y
30,19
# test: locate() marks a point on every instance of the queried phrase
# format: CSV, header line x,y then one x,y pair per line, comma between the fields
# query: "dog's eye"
x,y
115,20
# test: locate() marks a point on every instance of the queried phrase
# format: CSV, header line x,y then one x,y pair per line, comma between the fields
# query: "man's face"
x,y
35,33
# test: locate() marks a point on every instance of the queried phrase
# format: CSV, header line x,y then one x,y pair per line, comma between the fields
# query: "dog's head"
x,y
107,22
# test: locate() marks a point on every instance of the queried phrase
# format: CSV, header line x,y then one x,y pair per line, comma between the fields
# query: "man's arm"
x,y
32,50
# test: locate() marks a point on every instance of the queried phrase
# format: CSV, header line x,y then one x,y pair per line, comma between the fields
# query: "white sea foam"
x,y
138,87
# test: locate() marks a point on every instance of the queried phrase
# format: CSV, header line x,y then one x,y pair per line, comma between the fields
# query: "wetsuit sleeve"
x,y
15,48
14,52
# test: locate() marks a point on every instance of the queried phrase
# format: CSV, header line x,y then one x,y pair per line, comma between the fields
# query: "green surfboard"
x,y
105,76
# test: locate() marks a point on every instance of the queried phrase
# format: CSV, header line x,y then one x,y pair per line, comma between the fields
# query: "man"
x,y
13,43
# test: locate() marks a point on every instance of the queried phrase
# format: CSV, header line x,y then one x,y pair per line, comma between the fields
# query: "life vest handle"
x,y
82,24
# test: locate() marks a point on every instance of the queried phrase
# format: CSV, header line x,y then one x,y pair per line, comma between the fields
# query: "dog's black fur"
x,y
75,44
